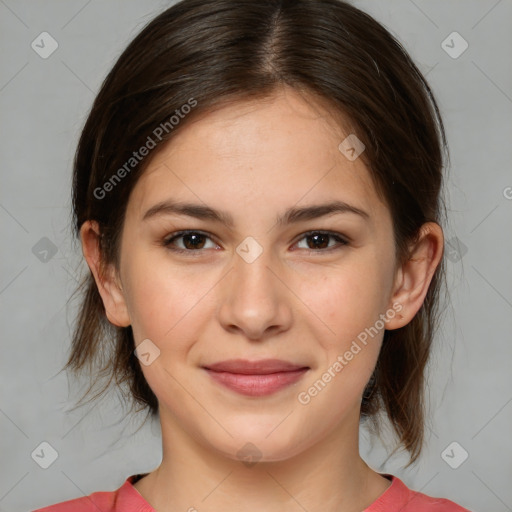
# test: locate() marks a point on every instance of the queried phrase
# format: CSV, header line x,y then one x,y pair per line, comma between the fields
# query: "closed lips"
x,y
260,367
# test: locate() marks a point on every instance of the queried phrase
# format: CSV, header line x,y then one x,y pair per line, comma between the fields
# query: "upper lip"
x,y
260,367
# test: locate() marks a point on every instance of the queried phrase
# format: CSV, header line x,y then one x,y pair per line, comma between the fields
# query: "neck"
x,y
329,475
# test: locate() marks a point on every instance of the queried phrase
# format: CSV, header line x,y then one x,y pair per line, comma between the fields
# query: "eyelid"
x,y
341,239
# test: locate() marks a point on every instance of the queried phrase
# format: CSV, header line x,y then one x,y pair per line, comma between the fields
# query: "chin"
x,y
252,444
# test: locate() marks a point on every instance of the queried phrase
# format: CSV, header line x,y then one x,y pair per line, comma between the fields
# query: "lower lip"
x,y
257,385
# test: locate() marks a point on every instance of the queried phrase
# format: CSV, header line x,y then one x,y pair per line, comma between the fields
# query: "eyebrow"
x,y
292,215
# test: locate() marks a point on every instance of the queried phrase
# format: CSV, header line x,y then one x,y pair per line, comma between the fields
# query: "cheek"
x,y
161,299
347,300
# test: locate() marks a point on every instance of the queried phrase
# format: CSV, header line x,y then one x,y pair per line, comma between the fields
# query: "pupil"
x,y
192,245
324,237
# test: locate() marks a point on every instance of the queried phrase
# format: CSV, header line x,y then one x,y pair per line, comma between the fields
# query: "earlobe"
x,y
104,276
413,278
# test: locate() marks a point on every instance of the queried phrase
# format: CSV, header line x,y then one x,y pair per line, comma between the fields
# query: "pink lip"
x,y
256,378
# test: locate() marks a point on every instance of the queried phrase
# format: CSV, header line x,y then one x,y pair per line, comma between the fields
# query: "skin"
x,y
297,301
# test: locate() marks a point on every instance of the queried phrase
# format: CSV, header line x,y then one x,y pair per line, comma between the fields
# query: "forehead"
x,y
260,153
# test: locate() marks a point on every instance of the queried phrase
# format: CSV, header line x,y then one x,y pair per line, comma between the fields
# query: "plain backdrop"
x,y
43,104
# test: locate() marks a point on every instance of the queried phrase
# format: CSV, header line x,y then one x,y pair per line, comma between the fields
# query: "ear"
x,y
413,278
105,276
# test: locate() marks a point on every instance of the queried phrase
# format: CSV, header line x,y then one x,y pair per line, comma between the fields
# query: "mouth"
x,y
256,378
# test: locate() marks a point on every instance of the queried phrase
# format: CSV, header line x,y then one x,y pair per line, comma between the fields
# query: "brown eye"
x,y
193,241
319,240
190,241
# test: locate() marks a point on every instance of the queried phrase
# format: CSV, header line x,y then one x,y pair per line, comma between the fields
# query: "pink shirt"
x,y
396,498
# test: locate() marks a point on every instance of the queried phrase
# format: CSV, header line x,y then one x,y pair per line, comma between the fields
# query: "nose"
x,y
255,299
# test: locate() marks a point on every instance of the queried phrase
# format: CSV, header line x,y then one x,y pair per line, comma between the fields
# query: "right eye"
x,y
191,241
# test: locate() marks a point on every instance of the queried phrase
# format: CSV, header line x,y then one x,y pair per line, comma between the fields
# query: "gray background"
x,y
43,103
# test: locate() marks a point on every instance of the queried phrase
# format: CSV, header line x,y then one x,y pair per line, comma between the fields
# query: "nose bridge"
x,y
254,274
253,279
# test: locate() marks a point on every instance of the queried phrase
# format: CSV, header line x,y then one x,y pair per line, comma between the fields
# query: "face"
x,y
265,277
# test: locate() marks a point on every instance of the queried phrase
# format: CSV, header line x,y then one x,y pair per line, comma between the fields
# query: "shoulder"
x,y
124,499
398,497
103,501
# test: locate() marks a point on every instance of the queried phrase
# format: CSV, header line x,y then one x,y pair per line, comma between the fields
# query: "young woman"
x,y
257,194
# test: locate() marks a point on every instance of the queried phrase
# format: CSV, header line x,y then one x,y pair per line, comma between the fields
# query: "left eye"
x,y
320,240
193,241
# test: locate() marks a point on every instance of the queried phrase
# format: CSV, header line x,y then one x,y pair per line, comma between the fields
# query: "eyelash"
x,y
179,234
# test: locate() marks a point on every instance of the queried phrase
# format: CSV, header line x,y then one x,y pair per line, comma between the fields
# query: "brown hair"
x,y
219,51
